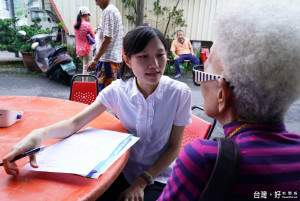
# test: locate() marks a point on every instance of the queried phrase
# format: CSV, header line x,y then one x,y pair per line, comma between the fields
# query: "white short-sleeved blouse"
x,y
149,119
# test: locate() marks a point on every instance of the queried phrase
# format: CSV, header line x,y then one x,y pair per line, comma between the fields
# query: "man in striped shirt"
x,y
248,88
109,50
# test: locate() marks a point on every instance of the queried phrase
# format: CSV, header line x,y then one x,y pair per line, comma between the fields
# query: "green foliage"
x,y
172,15
19,12
177,18
12,41
130,4
158,10
25,48
60,25
8,39
131,18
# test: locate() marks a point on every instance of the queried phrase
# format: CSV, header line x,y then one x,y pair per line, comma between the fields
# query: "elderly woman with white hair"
x,y
249,82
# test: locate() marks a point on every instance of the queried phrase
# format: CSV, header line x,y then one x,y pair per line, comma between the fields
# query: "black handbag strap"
x,y
223,176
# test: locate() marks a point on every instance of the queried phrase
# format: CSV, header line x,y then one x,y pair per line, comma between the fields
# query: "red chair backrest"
x,y
84,92
197,129
204,54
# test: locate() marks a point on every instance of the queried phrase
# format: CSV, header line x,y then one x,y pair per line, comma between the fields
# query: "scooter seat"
x,y
56,51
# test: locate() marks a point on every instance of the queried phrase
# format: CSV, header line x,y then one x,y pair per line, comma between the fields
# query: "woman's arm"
x,y
60,129
137,188
171,153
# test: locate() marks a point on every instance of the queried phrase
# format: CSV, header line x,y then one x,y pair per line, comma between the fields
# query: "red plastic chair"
x,y
84,91
213,121
168,65
204,53
199,128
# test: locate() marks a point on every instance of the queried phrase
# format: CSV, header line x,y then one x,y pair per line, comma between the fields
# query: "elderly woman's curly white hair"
x,y
258,44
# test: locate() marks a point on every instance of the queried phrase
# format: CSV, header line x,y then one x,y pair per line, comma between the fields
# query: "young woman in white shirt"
x,y
151,106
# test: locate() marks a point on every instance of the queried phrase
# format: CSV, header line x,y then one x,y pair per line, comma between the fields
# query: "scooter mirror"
x,y
34,45
22,33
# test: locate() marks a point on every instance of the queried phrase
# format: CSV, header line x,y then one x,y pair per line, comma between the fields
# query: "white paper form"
x,y
132,141
79,153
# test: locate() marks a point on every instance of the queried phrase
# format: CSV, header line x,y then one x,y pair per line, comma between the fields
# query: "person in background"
x,y
109,49
141,100
249,82
182,49
82,27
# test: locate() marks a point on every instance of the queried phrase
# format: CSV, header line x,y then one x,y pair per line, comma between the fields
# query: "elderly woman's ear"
x,y
224,96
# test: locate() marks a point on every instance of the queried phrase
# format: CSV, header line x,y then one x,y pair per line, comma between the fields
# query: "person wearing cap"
x,y
82,27
109,51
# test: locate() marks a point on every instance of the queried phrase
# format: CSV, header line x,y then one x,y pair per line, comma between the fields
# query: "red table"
x,y
44,186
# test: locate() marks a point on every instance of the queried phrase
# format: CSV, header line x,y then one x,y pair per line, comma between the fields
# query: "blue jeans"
x,y
183,57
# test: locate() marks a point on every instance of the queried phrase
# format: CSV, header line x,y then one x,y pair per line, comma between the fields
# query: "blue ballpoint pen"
x,y
28,153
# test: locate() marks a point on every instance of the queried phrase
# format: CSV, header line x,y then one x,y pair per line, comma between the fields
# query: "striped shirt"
x,y
111,25
269,165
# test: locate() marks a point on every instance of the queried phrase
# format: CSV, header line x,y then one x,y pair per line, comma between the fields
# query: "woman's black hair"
x,y
78,22
135,41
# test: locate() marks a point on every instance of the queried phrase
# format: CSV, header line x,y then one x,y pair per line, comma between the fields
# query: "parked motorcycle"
x,y
61,66
56,63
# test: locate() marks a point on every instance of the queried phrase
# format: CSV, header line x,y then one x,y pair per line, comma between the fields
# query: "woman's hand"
x,y
135,192
31,141
59,130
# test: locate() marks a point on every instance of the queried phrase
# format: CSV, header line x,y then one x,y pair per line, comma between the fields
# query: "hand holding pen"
x,y
28,153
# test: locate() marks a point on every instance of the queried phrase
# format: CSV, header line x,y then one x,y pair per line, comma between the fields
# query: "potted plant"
x,y
12,41
8,35
28,58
